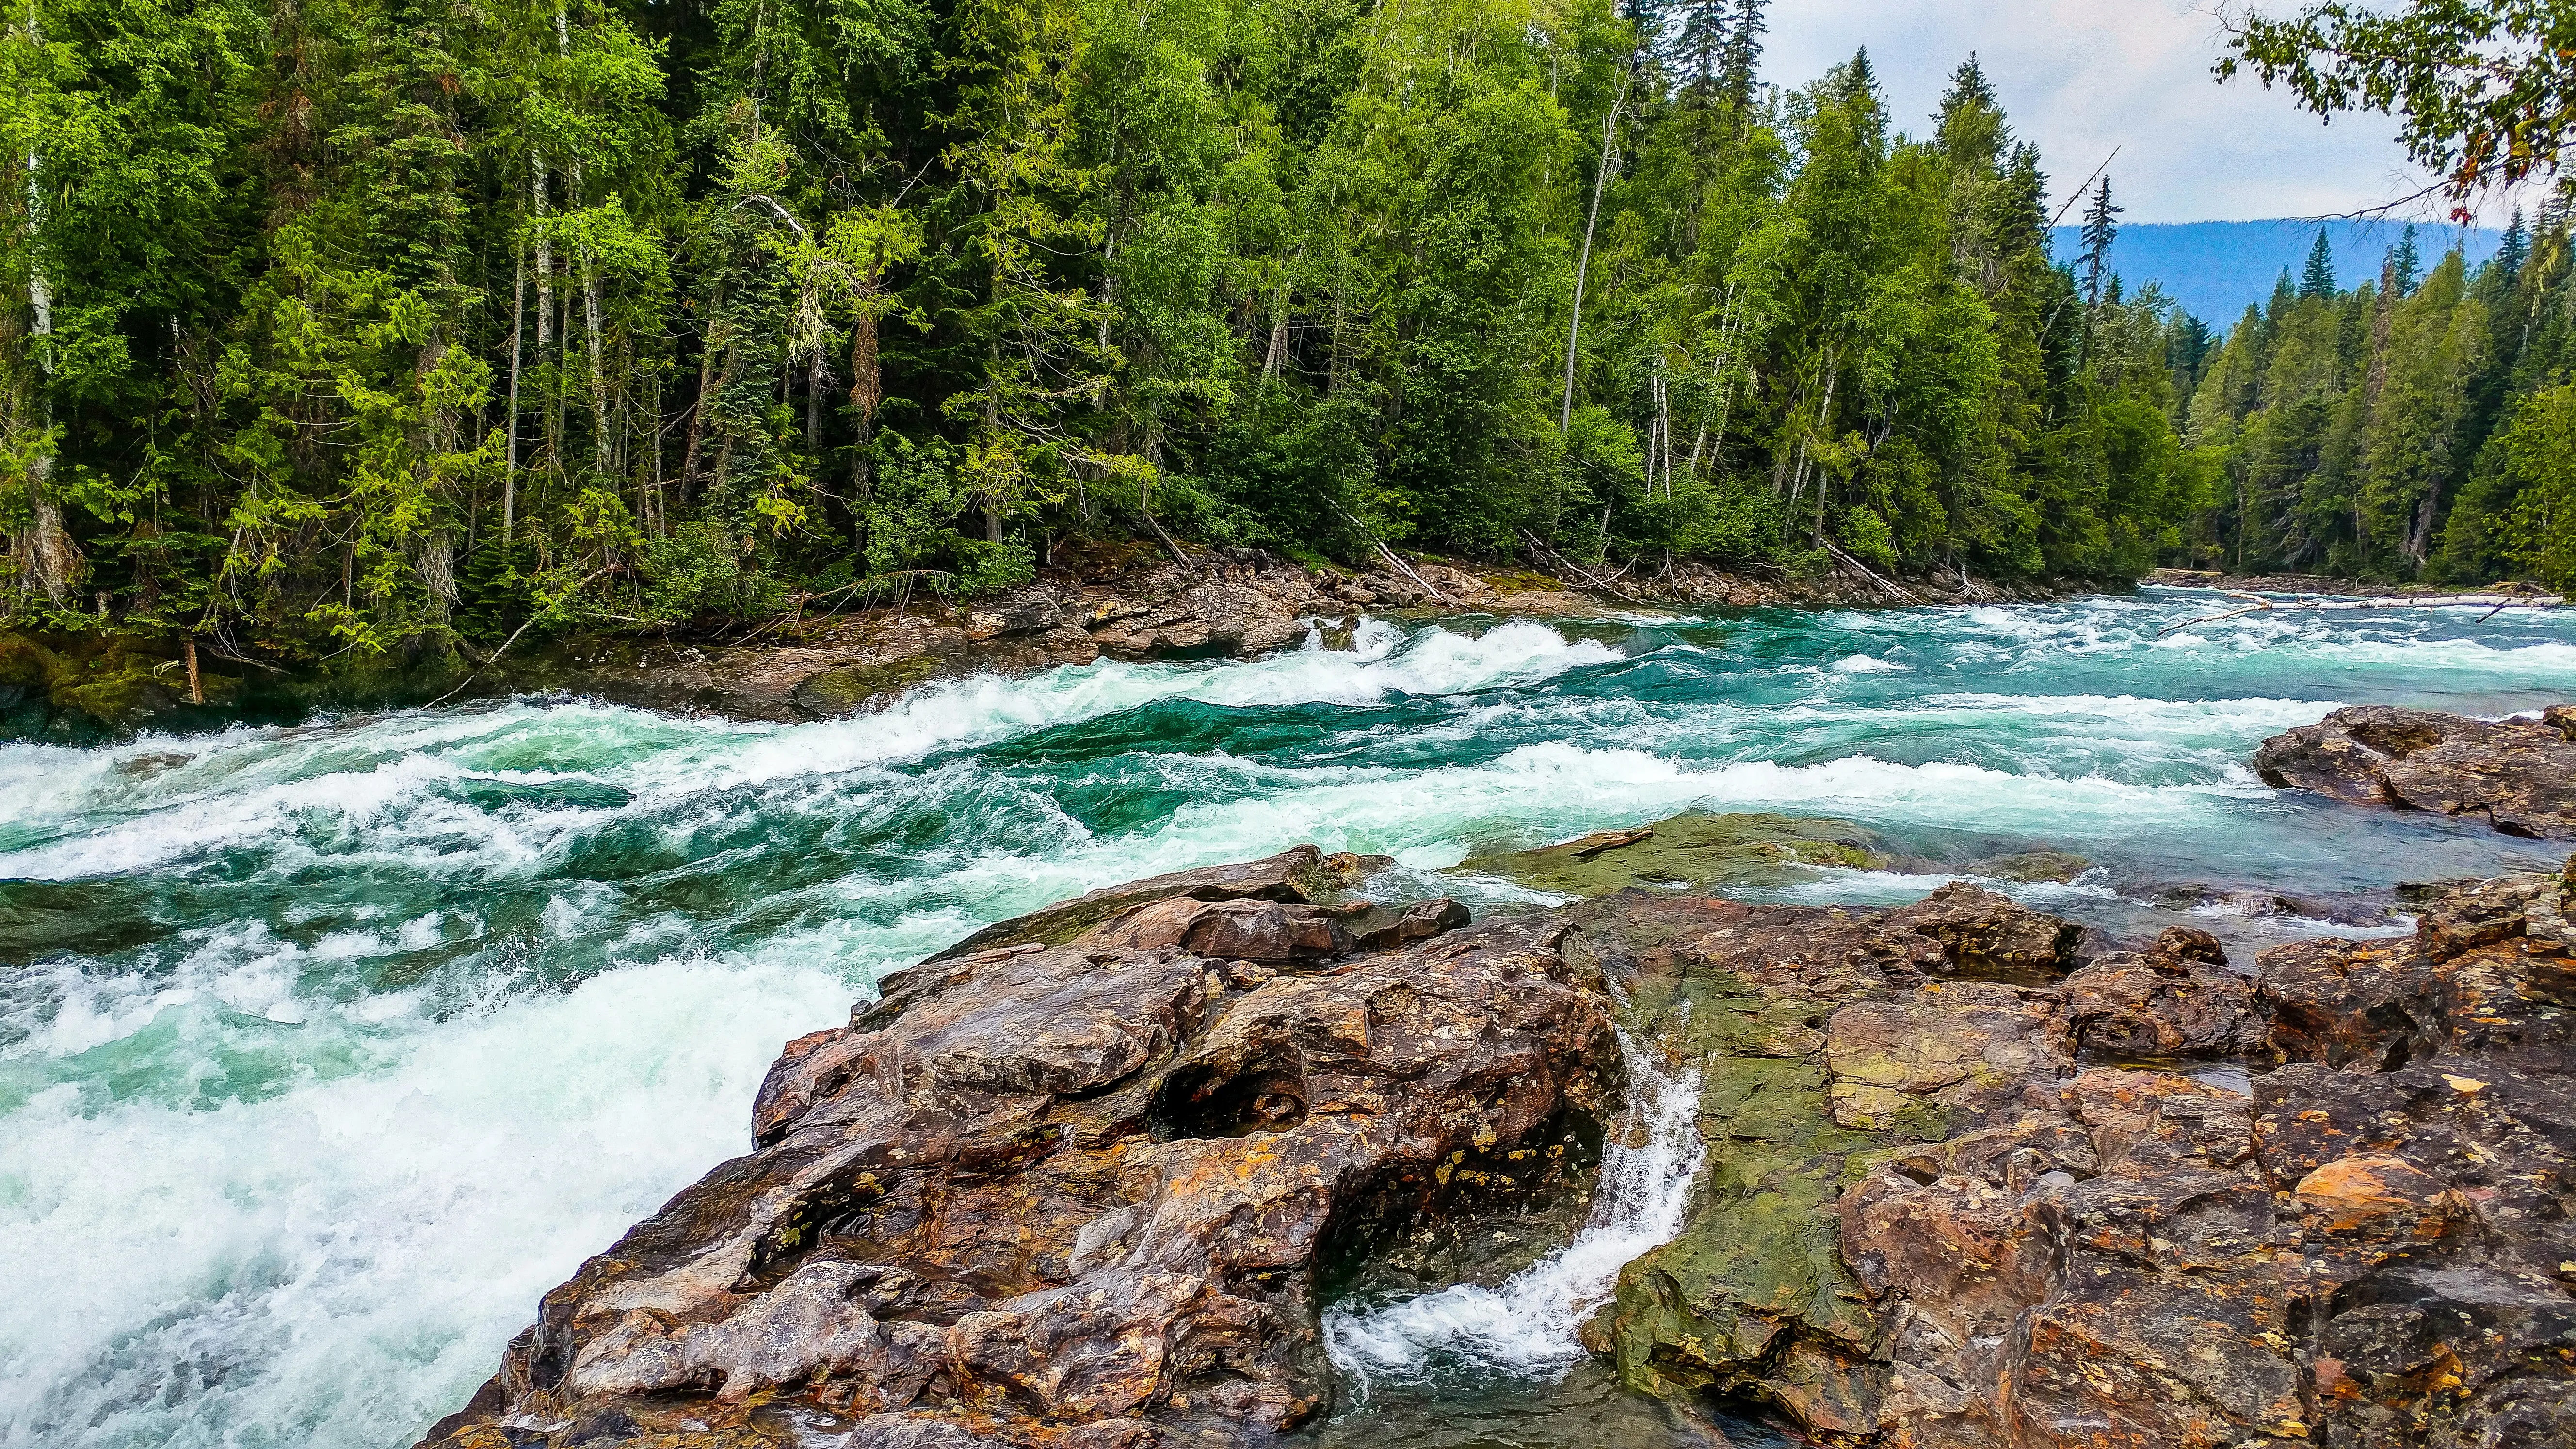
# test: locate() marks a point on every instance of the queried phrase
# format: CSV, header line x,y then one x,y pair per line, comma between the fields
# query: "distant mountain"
x,y
2216,269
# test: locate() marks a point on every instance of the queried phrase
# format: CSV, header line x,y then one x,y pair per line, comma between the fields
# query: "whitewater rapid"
x,y
325,1050
1527,1323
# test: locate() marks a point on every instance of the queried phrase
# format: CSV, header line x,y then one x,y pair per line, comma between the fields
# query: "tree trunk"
x,y
814,404
707,352
48,548
510,471
545,255
867,389
1583,259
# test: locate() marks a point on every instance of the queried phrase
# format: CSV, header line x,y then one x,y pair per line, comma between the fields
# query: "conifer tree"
x,y
2101,229
2318,280
2512,248
1740,59
2405,263
1699,42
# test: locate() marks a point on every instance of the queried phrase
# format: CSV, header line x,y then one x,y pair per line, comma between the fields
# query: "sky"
x,y
2080,77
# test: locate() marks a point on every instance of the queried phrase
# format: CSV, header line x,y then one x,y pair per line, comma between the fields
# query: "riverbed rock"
x,y
1077,1188
1301,876
2177,1001
1696,849
1923,1226
2520,774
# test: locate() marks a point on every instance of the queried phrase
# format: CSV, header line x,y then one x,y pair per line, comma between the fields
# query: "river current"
x,y
325,1050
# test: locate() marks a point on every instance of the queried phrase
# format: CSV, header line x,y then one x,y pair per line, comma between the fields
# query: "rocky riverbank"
x,y
1080,1181
2324,584
835,657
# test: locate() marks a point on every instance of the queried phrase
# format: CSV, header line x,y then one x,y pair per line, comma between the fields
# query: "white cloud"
x,y
2080,77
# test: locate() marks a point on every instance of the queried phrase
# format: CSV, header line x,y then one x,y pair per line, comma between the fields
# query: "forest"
x,y
2420,425
338,325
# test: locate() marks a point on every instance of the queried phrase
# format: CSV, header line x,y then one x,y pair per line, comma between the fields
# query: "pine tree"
x,y
1740,59
2319,278
1971,129
2101,229
1699,43
2514,249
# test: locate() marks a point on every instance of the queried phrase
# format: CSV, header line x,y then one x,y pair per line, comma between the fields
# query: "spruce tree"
x,y
1698,44
2318,280
2515,247
1971,130
2101,229
1740,59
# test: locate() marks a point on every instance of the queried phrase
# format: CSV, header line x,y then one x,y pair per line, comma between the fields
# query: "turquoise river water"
x,y
325,1050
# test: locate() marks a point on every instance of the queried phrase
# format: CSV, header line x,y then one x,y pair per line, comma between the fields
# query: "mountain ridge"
x,y
2216,269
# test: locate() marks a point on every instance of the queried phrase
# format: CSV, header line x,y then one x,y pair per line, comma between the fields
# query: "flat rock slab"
x,y
2518,773
1687,850
1300,876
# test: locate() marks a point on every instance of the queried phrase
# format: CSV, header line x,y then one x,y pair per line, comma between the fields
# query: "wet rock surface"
x,y
1944,1213
2520,774
1077,1193
1687,850
1082,1185
1117,603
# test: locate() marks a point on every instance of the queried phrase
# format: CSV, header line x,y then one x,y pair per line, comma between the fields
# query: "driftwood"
x,y
1389,555
1608,586
1187,566
1847,561
2257,604
1592,846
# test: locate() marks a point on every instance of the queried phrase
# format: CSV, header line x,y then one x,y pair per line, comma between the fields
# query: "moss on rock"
x,y
1696,849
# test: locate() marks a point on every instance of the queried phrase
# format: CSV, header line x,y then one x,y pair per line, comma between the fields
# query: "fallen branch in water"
x,y
1849,562
495,656
1607,586
1389,555
2494,604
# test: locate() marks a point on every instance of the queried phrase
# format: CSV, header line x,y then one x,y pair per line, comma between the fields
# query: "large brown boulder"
x,y
2520,773
2176,1001
1043,1191
1301,875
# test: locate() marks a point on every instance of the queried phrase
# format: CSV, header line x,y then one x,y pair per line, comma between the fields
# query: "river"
x,y
325,1050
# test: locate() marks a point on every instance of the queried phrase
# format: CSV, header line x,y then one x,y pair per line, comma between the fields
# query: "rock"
x,y
1379,928
1988,936
1687,850
1824,1039
2256,904
2520,773
2032,866
1296,877
2171,1003
1080,1188
2347,1003
1052,1193
1917,1231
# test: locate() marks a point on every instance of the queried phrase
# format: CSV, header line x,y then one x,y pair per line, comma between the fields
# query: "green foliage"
x,y
699,572
2390,431
2485,89
338,327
